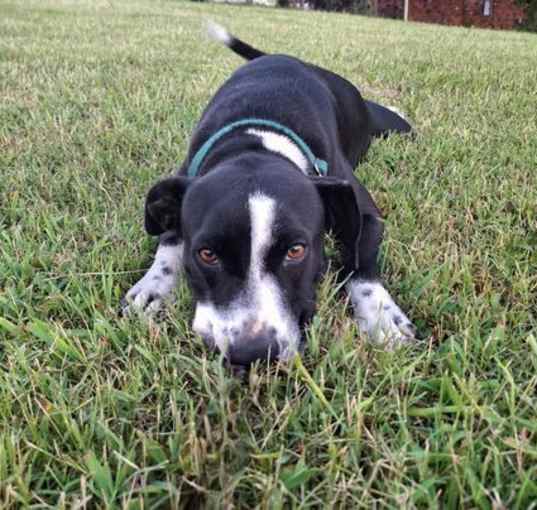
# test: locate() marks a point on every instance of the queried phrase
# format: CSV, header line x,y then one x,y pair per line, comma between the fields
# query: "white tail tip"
x,y
218,33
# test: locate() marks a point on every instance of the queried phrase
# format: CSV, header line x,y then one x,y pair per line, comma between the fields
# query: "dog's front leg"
x,y
377,314
158,284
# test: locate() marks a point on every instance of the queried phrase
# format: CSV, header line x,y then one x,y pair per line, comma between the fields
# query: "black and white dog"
x,y
268,171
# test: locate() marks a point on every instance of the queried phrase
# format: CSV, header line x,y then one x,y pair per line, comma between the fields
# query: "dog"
x,y
268,171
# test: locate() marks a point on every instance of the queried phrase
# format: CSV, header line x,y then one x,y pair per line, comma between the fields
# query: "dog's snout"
x,y
248,349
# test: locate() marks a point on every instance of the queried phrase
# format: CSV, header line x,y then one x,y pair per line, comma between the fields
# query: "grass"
x,y
97,100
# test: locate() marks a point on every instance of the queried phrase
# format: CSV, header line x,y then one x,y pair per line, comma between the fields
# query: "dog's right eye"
x,y
208,256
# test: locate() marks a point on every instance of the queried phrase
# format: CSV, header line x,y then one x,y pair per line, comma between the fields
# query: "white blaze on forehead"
x,y
260,307
282,145
262,216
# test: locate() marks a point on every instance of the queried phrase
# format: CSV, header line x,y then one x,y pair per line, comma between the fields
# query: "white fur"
x,y
260,305
218,33
377,314
157,285
282,145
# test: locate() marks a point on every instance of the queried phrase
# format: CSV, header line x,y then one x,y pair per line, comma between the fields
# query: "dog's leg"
x,y
375,311
386,120
157,285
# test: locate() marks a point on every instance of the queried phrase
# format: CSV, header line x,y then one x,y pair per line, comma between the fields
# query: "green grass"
x,y
97,100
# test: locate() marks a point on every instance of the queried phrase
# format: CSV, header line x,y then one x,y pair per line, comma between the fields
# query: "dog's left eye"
x,y
208,256
296,252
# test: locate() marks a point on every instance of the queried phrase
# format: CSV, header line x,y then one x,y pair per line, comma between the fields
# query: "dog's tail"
x,y
221,35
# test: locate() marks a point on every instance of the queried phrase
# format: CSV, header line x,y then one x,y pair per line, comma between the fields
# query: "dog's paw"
x,y
378,316
389,327
149,295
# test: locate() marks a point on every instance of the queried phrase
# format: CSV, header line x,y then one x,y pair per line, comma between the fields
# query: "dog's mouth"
x,y
246,334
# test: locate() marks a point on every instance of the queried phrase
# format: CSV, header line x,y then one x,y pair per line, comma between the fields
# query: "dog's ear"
x,y
342,215
163,205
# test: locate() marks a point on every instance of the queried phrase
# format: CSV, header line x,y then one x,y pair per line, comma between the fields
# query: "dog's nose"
x,y
246,350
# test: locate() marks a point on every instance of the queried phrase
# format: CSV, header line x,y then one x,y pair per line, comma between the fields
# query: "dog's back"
x,y
298,93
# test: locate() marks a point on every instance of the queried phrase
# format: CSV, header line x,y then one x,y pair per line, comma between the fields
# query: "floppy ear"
x,y
342,215
163,205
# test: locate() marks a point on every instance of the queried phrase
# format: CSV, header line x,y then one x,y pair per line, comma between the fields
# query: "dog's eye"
x,y
208,256
296,252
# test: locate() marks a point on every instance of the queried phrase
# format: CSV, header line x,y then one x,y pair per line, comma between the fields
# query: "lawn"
x,y
97,101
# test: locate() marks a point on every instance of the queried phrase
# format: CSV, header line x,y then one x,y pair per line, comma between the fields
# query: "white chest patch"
x,y
260,308
282,145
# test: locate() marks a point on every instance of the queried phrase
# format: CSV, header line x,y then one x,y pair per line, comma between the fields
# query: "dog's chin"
x,y
239,371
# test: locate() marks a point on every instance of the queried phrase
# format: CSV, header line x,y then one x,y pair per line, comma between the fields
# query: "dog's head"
x,y
253,249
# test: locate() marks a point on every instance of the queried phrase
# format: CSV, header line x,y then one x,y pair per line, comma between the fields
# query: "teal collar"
x,y
320,166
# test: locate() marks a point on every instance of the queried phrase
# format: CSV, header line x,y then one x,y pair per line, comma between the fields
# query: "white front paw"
x,y
149,294
156,287
378,316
